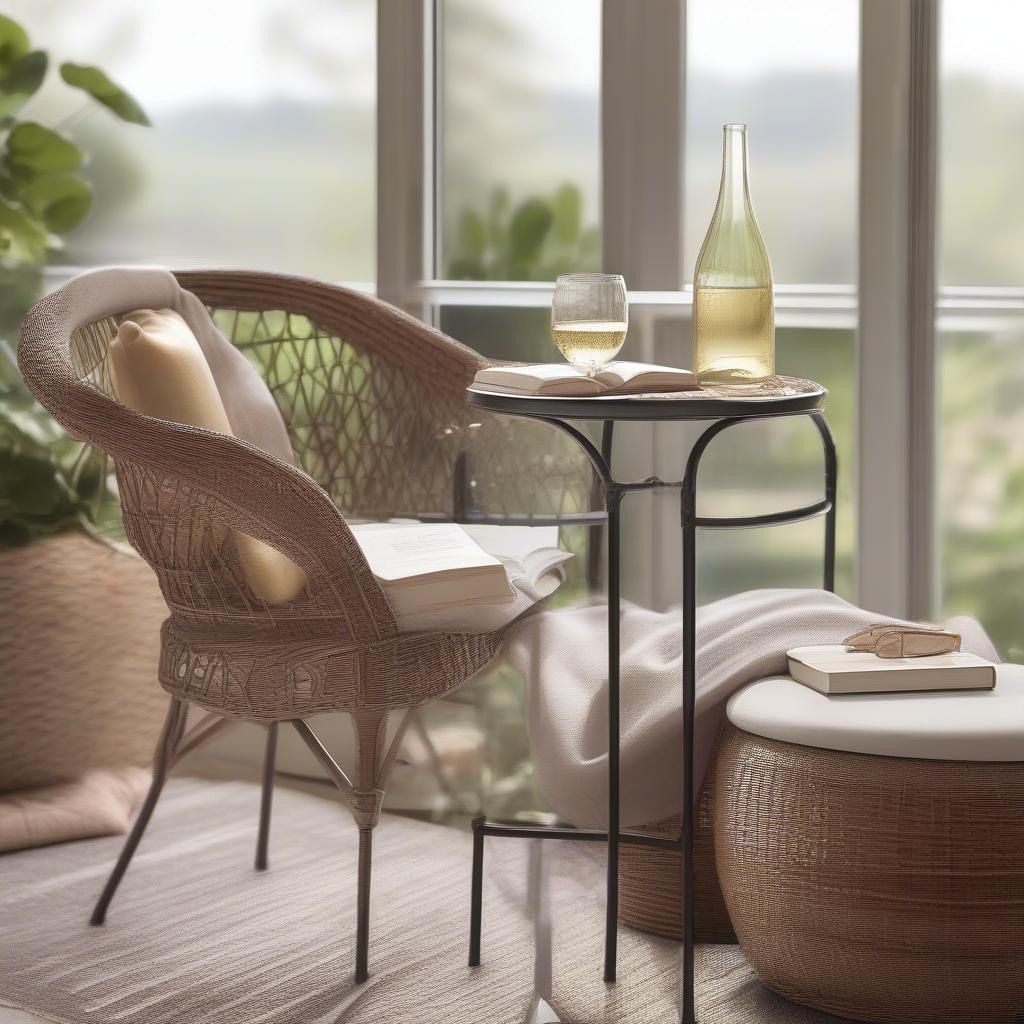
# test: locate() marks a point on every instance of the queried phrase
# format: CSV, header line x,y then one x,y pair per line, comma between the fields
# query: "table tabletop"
x,y
781,396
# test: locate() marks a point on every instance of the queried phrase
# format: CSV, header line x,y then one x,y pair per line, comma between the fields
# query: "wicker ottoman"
x,y
878,874
650,882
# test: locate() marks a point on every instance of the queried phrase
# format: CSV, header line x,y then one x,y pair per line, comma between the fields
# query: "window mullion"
x,y
643,77
643,74
405,63
896,385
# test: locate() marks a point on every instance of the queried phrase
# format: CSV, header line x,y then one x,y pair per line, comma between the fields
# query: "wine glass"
x,y
589,319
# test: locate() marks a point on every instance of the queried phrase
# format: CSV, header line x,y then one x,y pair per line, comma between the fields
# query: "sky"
x,y
175,54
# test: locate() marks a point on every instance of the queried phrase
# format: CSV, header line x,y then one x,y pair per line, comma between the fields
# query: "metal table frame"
x,y
722,414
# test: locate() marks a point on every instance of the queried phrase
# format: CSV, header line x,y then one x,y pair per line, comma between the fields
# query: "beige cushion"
x,y
160,370
958,725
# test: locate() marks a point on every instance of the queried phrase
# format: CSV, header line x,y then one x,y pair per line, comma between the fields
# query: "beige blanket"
x,y
563,655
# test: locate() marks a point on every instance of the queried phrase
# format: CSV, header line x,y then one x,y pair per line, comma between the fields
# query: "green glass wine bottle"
x,y
733,307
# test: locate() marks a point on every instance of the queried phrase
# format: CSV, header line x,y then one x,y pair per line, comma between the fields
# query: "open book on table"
x,y
431,566
560,379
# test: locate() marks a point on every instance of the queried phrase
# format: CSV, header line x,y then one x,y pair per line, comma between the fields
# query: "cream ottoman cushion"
x,y
956,725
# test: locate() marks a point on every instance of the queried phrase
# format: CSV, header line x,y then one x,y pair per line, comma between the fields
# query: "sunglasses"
x,y
891,640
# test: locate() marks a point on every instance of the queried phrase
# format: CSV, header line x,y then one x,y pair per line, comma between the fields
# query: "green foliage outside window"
x,y
47,482
534,240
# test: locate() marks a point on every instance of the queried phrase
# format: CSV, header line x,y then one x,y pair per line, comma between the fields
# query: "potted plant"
x,y
81,632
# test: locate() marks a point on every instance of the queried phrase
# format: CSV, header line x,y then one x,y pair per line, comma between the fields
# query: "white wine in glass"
x,y
589,319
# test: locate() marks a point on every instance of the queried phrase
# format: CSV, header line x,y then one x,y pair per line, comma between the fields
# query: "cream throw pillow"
x,y
100,803
160,370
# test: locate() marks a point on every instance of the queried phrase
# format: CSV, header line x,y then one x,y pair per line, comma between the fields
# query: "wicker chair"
x,y
374,406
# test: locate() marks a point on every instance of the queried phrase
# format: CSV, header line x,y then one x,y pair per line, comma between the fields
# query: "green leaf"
x,y
62,201
568,214
103,90
26,428
13,42
465,269
497,216
23,237
33,150
32,485
589,250
530,225
21,80
471,234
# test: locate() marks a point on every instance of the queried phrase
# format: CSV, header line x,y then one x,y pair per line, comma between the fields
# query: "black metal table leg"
x,y
688,517
831,485
690,522
614,501
477,892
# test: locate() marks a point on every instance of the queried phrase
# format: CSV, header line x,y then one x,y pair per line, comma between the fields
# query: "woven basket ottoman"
x,y
871,848
650,881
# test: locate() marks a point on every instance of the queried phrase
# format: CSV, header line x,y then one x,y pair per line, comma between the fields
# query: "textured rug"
x,y
195,934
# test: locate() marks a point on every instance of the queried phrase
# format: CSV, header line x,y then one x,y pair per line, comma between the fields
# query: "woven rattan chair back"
x,y
373,401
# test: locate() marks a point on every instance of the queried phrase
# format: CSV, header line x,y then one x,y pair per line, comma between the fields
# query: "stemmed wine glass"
x,y
589,319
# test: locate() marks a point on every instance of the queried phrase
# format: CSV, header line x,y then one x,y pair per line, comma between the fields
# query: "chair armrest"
x,y
263,497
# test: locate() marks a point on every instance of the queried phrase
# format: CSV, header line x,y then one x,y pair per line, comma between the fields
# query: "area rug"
x,y
196,935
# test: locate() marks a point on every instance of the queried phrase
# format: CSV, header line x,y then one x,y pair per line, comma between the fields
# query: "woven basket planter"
x,y
650,882
79,660
878,888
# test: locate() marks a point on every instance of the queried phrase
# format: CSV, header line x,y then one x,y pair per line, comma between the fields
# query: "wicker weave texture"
x,y
650,881
373,401
877,888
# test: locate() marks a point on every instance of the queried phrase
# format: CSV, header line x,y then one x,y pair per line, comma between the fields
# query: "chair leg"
x,y
363,904
365,798
174,725
267,797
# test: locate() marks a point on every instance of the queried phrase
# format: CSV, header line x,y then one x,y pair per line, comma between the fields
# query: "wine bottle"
x,y
733,307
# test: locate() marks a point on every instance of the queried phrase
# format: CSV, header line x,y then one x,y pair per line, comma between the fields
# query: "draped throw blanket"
x,y
563,655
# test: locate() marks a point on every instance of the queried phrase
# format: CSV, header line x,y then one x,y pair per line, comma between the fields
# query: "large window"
x,y
981,264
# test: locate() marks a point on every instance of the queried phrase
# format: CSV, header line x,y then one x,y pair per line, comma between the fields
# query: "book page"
x,y
529,552
397,552
512,542
530,376
619,374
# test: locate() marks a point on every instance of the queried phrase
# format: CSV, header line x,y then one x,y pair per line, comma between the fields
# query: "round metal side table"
x,y
788,397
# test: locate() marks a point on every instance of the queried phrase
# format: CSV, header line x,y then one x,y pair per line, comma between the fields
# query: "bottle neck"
x,y
733,197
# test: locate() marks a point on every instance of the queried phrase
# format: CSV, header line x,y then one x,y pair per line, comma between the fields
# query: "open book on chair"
x,y
430,566
560,379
